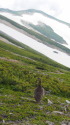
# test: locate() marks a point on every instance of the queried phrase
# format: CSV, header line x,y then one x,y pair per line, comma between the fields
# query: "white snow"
x,y
59,57
12,17
59,28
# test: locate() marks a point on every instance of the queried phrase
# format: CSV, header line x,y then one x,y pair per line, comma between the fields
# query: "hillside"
x,y
20,66
39,31
32,47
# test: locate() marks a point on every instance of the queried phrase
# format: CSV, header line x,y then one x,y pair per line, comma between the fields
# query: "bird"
x,y
39,91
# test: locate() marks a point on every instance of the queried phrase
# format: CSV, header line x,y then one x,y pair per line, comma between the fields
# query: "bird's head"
x,y
39,82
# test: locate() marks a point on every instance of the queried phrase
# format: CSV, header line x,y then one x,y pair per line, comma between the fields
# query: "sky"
x,y
57,8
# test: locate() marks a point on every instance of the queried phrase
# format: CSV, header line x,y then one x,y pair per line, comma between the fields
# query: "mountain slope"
x,y
19,70
20,67
35,17
34,31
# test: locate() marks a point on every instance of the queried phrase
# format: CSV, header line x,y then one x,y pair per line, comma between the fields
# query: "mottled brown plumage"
x,y
39,91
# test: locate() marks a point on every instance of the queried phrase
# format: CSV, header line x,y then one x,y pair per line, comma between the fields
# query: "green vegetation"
x,y
19,70
29,53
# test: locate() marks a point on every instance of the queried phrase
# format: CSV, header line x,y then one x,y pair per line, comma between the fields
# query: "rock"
x,y
5,95
67,101
11,113
1,103
49,123
66,108
57,112
65,122
3,121
48,112
49,102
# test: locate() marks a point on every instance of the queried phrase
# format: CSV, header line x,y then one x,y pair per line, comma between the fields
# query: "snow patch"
x,y
59,28
61,57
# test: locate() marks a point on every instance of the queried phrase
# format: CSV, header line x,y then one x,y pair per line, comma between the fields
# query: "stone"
x,y
11,113
49,123
58,112
50,102
3,121
67,101
65,122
